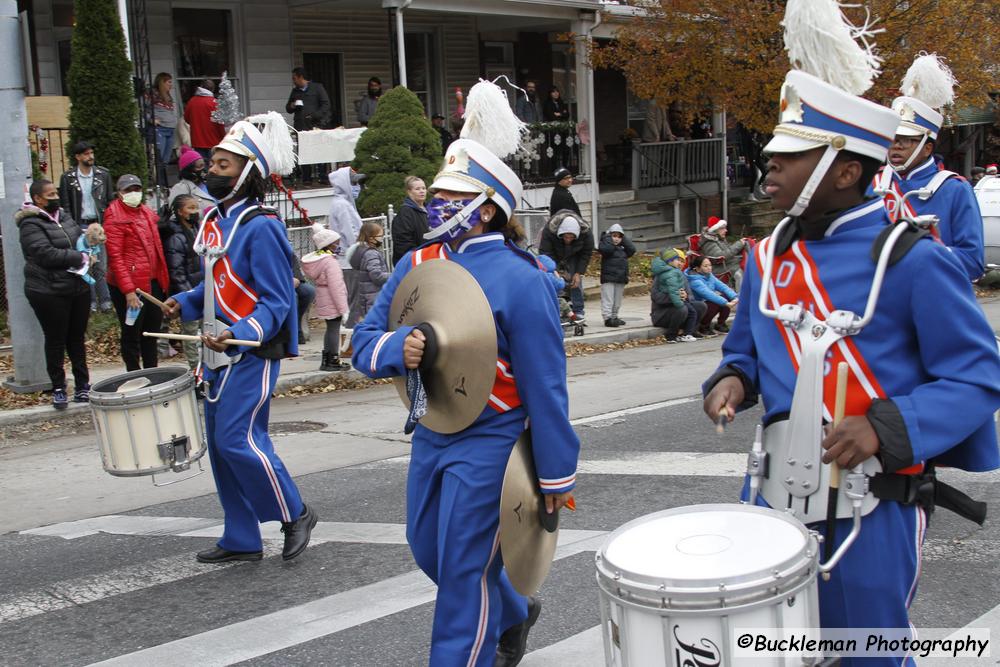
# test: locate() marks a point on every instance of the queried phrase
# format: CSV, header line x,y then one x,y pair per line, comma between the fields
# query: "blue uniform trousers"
x,y
453,516
252,482
874,583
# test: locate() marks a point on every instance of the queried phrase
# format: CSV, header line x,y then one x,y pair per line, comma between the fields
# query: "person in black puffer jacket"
x,y
58,295
177,235
410,224
615,249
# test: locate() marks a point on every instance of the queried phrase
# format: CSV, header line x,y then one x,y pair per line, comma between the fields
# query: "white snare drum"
x,y
148,422
676,584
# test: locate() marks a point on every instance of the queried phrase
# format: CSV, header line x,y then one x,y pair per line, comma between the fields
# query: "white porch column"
x,y
719,125
123,17
586,111
401,41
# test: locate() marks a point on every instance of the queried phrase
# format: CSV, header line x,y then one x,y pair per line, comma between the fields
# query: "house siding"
x,y
364,39
46,53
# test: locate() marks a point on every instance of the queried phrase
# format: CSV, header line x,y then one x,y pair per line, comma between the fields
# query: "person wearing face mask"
x,y
344,219
410,223
368,261
135,260
367,103
183,265
191,167
455,480
254,298
55,289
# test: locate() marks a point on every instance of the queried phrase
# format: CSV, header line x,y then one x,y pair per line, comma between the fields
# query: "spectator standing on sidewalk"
x,y
717,296
205,132
57,294
135,260
714,244
183,265
324,270
615,249
191,166
165,121
410,224
567,239
84,193
369,264
562,199
671,309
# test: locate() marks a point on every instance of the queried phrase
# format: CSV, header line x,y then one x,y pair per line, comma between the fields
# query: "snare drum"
x,y
676,584
147,422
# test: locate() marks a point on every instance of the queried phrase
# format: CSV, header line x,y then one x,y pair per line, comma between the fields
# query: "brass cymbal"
x,y
526,546
461,374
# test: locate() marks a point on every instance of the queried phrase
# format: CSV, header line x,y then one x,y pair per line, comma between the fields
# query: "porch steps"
x,y
645,222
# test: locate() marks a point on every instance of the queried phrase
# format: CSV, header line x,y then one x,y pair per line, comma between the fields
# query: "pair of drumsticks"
x,y
185,337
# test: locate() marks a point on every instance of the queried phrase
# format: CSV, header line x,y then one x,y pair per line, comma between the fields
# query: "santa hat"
x,y
716,224
322,237
991,169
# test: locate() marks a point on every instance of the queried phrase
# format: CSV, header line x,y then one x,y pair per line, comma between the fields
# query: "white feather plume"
x,y
278,136
490,121
822,42
930,81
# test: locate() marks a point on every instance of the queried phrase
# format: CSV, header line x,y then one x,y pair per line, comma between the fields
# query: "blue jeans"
x,y
576,298
164,143
99,295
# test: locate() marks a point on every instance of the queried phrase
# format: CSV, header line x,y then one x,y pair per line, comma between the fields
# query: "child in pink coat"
x,y
324,270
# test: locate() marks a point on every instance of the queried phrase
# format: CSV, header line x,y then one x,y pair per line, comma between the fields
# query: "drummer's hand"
x,y
852,442
215,342
556,501
171,308
132,300
413,349
724,398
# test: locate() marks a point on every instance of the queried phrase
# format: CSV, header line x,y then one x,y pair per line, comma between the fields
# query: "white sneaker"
x,y
686,338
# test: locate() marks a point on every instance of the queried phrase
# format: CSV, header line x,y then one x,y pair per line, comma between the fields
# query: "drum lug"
x,y
175,452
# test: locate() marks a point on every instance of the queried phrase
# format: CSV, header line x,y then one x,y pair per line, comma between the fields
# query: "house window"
x,y
423,74
564,72
203,48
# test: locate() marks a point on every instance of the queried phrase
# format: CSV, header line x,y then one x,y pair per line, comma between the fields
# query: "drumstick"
x,y
839,406
720,423
149,297
186,337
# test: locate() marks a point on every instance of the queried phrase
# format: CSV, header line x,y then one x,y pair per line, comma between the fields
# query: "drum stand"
x,y
800,471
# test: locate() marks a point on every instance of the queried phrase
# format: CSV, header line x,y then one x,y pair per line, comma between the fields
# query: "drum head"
x,y
706,544
140,379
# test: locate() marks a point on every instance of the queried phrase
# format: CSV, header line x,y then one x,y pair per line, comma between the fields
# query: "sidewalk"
x,y
303,370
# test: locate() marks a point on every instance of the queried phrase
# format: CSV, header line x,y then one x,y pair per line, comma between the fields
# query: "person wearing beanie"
x,y
672,308
567,239
912,398
714,244
562,199
191,168
322,267
615,249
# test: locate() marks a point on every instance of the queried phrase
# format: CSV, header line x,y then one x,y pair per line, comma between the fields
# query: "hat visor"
x,y
905,131
786,143
452,184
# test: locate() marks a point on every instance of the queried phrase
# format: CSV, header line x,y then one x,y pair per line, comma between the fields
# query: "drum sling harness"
x,y
926,490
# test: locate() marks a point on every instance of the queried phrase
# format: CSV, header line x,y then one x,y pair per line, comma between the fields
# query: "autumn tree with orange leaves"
x,y
730,53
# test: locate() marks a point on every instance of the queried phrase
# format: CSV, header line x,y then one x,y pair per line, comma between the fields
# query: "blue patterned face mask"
x,y
440,213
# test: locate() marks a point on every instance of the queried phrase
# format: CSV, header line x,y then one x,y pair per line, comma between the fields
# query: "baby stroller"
x,y
560,290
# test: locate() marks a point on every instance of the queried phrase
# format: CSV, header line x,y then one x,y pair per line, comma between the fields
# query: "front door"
x,y
327,70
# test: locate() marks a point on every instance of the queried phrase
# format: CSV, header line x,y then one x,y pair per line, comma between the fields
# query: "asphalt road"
x,y
98,568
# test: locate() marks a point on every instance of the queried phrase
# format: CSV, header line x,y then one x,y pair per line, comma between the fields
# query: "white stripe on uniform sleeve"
x,y
378,348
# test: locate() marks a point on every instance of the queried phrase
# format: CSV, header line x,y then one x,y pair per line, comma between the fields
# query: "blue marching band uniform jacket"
x,y
929,350
960,225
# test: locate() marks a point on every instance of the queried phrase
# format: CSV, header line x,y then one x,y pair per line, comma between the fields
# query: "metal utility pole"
x,y
15,172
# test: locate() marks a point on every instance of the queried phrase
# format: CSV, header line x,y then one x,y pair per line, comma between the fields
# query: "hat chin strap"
x,y
239,181
913,156
458,219
823,166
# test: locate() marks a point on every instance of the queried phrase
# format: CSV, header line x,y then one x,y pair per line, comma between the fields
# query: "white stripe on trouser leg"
x,y
919,530
271,475
484,605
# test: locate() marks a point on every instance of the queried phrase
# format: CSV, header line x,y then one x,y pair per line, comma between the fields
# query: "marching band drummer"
x,y
454,481
255,298
917,392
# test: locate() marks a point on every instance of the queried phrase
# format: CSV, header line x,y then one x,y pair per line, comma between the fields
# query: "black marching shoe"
x,y
297,533
219,555
514,640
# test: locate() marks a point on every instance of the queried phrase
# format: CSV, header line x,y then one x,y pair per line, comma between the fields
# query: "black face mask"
x,y
193,219
219,186
51,206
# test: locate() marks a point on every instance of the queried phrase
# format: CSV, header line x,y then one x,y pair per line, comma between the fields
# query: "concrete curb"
x,y
44,413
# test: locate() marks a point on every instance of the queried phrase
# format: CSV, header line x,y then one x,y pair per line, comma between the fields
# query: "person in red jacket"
x,y
205,133
135,260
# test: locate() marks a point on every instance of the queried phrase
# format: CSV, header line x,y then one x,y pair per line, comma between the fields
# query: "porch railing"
x,y
50,148
547,147
301,237
676,163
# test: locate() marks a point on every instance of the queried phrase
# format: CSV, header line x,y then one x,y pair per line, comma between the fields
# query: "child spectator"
x,y
369,264
717,296
671,308
615,249
324,270
183,265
